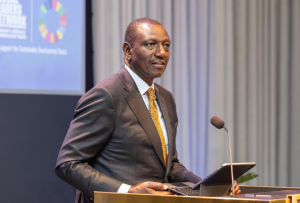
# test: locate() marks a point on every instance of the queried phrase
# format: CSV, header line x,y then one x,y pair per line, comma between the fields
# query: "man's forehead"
x,y
147,25
146,30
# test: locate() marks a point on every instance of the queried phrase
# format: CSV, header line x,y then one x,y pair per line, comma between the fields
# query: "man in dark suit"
x,y
122,136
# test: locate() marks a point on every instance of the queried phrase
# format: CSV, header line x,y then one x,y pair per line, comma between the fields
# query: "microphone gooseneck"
x,y
219,123
232,179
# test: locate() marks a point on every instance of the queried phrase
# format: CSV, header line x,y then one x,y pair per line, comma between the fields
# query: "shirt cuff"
x,y
124,188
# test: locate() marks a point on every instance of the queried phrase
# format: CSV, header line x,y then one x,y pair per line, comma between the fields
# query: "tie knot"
x,y
150,94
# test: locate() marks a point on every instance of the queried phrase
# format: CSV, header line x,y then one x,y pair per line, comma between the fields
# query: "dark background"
x,y
32,129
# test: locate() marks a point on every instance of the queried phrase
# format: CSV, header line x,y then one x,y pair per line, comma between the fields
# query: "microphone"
x,y
219,123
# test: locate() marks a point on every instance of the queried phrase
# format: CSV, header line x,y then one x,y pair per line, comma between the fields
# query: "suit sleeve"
x,y
91,128
178,172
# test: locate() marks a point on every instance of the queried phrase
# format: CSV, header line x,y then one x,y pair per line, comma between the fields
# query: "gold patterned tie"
x,y
154,115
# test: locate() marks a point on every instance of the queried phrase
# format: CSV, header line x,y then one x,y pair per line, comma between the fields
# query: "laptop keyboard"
x,y
186,191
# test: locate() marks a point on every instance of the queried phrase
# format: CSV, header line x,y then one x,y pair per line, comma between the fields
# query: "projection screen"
x,y
42,46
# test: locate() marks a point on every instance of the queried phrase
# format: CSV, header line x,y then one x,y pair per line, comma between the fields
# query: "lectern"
x,y
251,194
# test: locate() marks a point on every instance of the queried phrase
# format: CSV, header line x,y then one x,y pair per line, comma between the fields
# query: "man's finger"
x,y
238,192
237,189
156,186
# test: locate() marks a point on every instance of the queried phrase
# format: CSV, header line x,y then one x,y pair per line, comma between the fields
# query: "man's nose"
x,y
160,52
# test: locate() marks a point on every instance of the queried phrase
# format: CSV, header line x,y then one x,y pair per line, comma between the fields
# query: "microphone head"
x,y
217,122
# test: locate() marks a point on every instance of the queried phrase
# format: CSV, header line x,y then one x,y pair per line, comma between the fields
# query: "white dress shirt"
x,y
143,88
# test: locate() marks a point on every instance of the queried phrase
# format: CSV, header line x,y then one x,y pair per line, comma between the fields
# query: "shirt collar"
x,y
141,84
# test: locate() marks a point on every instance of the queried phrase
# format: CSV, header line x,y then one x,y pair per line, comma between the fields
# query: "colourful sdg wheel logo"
x,y
52,21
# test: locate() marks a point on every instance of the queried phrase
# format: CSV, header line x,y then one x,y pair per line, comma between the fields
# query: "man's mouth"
x,y
159,63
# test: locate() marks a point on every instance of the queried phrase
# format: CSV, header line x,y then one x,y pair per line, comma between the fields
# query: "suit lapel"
x,y
137,105
164,110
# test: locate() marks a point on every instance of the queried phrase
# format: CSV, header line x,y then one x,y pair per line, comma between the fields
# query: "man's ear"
x,y
127,51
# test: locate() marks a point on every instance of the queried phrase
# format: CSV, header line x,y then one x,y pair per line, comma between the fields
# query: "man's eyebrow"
x,y
155,39
167,39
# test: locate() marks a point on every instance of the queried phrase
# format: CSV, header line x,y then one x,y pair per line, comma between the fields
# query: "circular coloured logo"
x,y
46,8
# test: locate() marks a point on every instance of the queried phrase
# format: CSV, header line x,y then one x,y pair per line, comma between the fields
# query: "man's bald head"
x,y
132,28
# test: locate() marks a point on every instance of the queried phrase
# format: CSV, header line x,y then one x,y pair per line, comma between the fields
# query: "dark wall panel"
x,y
32,129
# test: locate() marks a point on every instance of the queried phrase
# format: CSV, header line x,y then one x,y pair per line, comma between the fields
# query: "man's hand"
x,y
150,188
237,189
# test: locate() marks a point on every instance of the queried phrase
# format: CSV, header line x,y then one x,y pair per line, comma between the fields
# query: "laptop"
x,y
217,183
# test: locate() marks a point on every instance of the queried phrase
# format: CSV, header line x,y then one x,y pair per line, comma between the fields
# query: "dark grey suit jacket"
x,y
113,140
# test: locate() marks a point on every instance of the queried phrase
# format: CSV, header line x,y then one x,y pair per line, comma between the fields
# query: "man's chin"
x,y
159,74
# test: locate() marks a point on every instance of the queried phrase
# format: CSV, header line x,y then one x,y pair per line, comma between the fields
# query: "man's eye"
x,y
167,47
150,44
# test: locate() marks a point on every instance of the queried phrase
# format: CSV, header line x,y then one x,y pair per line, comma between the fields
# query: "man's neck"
x,y
141,84
149,81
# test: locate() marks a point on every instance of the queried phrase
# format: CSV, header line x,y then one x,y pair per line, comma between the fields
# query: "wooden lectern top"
x,y
284,196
